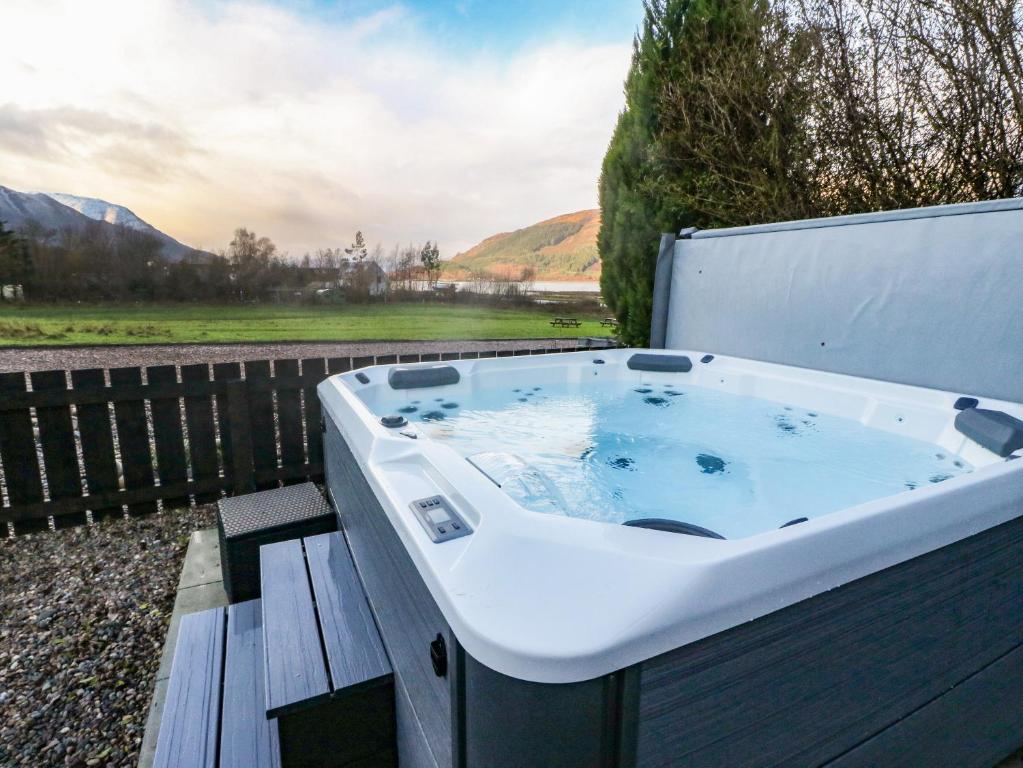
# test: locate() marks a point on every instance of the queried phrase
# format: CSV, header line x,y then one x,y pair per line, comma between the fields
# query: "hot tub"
x,y
633,557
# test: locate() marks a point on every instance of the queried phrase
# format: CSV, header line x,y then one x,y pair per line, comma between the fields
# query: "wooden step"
x,y
216,687
355,651
328,680
295,673
247,738
191,714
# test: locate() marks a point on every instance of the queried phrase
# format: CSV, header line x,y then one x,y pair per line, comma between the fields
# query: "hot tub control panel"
x,y
439,519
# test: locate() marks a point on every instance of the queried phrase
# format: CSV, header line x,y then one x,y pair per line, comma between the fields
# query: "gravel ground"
x,y
68,358
83,621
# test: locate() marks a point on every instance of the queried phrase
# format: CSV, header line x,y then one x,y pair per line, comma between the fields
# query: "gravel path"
x,y
83,620
69,358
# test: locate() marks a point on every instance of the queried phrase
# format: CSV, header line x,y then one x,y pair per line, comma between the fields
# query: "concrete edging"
x,y
200,587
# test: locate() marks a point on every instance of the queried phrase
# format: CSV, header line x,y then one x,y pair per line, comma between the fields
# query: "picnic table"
x,y
565,322
609,322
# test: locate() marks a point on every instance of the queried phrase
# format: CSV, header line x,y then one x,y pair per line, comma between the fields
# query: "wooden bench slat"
x,y
247,738
355,652
295,674
188,731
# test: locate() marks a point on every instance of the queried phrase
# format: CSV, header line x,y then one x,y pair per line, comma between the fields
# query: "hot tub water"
x,y
733,464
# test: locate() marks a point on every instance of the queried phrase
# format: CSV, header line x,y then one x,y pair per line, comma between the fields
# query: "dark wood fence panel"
x,y
102,447
18,453
239,436
362,362
57,438
261,421
95,430
133,439
202,436
337,365
223,373
171,462
288,386
314,370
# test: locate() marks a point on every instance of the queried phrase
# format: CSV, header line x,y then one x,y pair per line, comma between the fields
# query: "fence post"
x,y
242,474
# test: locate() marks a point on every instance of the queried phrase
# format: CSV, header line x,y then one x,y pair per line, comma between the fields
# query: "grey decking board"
x,y
355,653
192,705
293,662
247,738
189,600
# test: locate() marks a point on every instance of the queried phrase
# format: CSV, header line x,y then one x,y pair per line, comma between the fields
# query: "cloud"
x,y
62,135
203,117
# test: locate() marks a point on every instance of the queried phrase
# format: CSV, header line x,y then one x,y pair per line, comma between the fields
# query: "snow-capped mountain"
x,y
101,210
19,209
58,211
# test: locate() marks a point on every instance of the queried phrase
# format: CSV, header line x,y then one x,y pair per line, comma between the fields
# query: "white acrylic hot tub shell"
x,y
557,599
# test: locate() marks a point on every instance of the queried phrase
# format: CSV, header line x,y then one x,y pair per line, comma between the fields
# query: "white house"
x,y
366,276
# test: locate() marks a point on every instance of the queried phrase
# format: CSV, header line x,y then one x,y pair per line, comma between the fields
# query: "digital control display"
x,y
440,519
438,516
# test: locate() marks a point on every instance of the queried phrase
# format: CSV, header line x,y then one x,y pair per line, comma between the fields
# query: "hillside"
x,y
20,209
562,248
55,212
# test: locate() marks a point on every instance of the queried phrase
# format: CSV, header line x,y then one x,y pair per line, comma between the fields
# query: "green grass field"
x,y
42,325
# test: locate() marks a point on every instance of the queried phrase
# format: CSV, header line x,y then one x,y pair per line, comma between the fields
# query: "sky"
x,y
447,120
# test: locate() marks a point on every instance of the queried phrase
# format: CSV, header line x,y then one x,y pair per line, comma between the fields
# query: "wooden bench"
x,y
565,322
214,712
328,681
609,322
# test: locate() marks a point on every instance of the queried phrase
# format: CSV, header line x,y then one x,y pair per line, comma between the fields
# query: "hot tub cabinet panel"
x,y
808,684
902,645
508,723
408,618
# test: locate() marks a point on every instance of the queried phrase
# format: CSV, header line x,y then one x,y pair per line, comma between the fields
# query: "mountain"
x,y
17,209
562,248
58,211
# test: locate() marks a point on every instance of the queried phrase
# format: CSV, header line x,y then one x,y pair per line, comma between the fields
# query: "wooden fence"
x,y
117,440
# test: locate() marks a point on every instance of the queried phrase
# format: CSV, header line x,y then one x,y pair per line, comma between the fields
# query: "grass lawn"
x,y
41,325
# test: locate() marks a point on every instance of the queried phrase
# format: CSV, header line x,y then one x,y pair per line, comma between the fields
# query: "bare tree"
x,y
914,102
